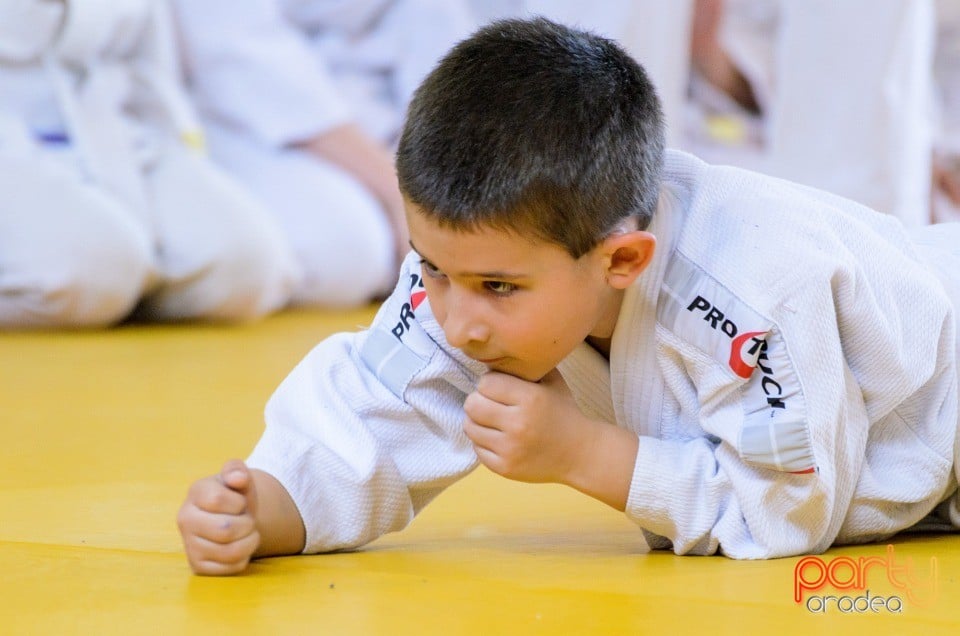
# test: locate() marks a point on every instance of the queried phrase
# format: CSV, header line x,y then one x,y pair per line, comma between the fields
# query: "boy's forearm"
x,y
605,471
277,517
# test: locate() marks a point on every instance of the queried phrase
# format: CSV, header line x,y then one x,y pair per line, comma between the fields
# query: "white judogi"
x,y
106,203
845,91
267,74
788,360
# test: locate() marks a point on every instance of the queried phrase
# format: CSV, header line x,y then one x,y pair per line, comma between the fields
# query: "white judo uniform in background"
x,y
946,66
105,205
788,359
269,74
845,91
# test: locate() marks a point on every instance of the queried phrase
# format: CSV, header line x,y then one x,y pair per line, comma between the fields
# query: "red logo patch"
x,y
416,298
745,353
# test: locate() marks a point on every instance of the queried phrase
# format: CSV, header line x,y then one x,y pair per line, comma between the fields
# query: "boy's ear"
x,y
627,255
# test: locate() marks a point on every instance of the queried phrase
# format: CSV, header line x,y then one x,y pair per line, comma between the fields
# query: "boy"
x,y
740,364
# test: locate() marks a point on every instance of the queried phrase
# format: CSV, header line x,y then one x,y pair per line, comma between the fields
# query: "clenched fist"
x,y
534,432
218,521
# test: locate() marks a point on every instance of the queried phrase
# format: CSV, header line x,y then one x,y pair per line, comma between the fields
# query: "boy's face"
x,y
516,304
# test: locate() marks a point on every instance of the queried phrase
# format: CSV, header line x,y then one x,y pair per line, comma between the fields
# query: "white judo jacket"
x,y
787,361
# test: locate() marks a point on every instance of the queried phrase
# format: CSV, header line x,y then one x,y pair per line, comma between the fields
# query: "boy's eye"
x,y
499,287
430,269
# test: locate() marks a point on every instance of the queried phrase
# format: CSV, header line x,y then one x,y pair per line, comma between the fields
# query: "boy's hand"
x,y
528,431
534,431
217,521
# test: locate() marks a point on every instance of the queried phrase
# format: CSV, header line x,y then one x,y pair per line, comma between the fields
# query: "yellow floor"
x,y
103,432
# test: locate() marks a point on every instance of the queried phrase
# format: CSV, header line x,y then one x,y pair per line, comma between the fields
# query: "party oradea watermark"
x,y
888,584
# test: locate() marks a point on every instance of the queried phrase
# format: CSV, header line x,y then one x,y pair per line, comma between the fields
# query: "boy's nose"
x,y
463,328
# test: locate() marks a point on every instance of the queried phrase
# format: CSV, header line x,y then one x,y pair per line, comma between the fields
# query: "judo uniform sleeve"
x,y
368,428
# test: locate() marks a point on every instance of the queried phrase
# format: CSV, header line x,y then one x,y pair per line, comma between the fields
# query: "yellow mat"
x,y
104,431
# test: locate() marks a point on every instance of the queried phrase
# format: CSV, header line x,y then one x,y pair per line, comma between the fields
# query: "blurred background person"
x,y
836,95
946,157
303,101
108,208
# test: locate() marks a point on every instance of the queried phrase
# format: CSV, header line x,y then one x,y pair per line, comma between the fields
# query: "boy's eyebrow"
x,y
498,275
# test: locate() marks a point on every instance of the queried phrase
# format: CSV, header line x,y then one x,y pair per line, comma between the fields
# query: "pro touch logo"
x,y
417,295
705,315
709,316
745,349
745,352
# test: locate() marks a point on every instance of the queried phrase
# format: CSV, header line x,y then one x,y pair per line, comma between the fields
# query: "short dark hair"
x,y
532,126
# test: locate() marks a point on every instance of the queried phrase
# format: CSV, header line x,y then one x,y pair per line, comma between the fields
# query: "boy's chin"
x,y
519,370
